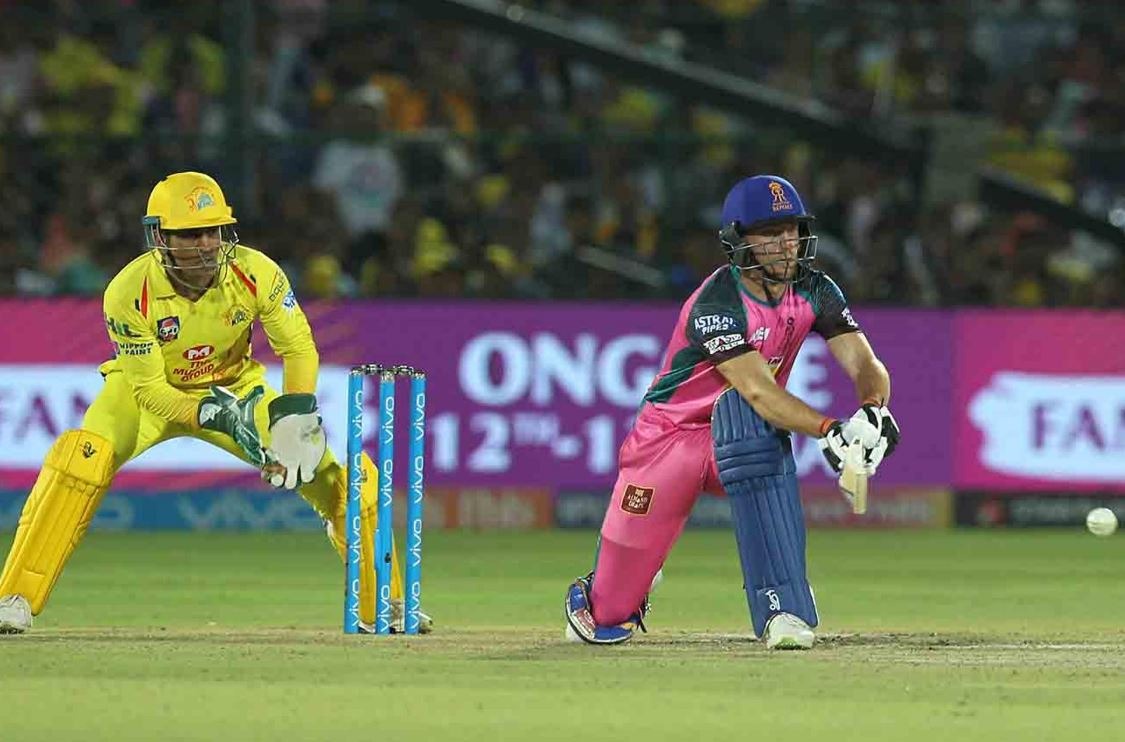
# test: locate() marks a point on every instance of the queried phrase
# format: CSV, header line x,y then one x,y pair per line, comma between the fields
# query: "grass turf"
x,y
925,636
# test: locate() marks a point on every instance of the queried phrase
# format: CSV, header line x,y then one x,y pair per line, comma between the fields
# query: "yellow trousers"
x,y
115,416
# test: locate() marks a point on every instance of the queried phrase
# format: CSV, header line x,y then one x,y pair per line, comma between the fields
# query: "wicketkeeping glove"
x,y
297,440
861,429
224,412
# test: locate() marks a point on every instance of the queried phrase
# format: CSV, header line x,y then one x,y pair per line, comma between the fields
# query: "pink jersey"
x,y
721,320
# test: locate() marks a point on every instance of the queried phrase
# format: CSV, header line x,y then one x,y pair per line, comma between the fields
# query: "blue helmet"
x,y
760,201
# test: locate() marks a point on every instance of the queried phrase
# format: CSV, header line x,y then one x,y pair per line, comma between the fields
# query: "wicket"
x,y
387,376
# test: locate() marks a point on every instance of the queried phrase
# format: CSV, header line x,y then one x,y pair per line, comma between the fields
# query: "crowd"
x,y
377,154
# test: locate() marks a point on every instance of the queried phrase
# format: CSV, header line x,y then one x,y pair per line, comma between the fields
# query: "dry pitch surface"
x,y
925,636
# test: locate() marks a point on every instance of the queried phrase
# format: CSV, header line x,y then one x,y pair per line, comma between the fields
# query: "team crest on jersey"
x,y
199,198
238,315
637,500
168,329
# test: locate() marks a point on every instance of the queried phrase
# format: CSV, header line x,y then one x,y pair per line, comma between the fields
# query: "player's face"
x,y
776,250
195,254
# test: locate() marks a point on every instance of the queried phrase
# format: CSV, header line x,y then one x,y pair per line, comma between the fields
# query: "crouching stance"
x,y
717,418
179,317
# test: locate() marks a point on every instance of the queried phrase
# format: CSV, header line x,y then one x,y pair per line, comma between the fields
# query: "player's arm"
x,y
751,376
140,360
849,346
297,440
288,332
720,333
870,377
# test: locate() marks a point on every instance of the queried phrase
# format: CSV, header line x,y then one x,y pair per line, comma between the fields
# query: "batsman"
x,y
717,418
180,318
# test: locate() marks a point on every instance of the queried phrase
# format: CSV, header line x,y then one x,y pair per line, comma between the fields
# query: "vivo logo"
x,y
199,352
418,423
414,545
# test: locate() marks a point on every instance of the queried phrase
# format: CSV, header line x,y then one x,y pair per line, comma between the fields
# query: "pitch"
x,y
924,636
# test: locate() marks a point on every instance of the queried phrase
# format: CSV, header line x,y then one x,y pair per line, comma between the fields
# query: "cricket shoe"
x,y
398,621
15,614
580,624
786,631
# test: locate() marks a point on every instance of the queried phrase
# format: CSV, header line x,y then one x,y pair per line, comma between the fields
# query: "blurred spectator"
x,y
376,154
362,174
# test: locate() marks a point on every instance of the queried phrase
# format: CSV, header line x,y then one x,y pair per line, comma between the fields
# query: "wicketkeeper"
x,y
180,319
718,418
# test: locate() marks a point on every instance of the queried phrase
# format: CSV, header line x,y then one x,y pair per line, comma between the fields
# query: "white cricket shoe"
x,y
398,619
15,614
786,631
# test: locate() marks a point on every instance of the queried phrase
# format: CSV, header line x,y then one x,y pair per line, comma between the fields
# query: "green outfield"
x,y
926,636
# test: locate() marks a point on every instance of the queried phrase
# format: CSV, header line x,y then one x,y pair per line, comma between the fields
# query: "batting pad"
x,y
74,477
756,467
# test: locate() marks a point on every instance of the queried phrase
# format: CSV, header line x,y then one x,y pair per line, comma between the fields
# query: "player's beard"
x,y
780,270
195,273
783,270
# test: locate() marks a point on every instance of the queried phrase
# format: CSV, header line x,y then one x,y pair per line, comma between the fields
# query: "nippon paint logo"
x,y
1067,428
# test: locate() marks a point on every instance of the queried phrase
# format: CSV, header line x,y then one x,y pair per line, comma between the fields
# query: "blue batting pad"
x,y
756,466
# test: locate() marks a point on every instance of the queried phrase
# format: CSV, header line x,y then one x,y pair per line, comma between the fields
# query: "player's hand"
x,y
224,412
888,439
860,429
297,441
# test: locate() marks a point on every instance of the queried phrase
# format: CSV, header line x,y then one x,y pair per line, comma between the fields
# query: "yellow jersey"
x,y
171,348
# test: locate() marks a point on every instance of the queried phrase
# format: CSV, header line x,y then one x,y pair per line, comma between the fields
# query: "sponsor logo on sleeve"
x,y
637,500
846,313
132,349
119,328
279,285
712,323
290,301
723,343
168,329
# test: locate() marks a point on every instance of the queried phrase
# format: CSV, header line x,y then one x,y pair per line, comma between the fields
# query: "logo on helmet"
x,y
199,198
781,202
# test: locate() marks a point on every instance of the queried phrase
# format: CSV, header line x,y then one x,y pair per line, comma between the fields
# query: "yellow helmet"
x,y
187,200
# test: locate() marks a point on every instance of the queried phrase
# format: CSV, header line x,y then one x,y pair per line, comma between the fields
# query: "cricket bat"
x,y
853,480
